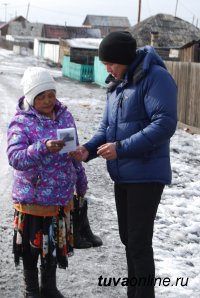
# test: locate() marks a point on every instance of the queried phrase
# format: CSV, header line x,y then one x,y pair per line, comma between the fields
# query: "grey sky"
x,y
73,12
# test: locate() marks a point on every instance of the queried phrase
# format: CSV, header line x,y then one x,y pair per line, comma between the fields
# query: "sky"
x,y
177,226
73,12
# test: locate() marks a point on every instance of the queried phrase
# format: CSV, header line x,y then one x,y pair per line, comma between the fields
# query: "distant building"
x,y
43,39
80,50
106,24
47,48
190,52
166,33
18,34
68,32
19,26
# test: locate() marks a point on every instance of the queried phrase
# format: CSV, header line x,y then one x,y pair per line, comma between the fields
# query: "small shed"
x,y
47,48
80,50
190,52
79,63
107,24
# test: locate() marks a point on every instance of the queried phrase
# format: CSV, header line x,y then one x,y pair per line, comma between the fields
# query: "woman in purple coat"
x,y
44,182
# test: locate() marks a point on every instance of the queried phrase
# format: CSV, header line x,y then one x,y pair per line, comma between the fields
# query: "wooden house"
x,y
19,33
80,50
63,34
106,24
78,58
190,52
20,26
166,33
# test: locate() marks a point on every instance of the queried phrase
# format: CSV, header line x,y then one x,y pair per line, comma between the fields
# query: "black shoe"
x,y
83,236
89,236
94,239
48,293
80,242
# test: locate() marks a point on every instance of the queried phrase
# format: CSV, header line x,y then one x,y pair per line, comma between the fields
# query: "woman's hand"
x,y
54,146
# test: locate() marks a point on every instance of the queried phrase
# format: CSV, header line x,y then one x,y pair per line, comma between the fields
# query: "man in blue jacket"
x,y
134,136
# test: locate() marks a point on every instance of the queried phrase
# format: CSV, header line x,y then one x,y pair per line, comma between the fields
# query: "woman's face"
x,y
44,102
116,70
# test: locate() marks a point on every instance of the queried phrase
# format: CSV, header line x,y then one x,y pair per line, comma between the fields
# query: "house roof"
x,y
107,21
2,24
16,19
67,32
191,43
84,43
173,31
19,26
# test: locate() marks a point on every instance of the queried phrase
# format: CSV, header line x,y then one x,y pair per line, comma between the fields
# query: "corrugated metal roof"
x,y
67,32
108,21
87,43
173,31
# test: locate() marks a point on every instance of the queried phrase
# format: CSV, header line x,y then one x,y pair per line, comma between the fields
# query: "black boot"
x,y
48,283
78,217
31,283
87,233
82,226
80,242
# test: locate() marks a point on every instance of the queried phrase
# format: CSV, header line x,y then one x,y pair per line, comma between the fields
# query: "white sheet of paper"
x,y
69,136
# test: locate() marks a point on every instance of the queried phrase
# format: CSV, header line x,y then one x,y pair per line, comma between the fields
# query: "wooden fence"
x,y
187,77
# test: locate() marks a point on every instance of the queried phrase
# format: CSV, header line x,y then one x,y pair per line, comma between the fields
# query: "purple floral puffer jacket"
x,y
41,177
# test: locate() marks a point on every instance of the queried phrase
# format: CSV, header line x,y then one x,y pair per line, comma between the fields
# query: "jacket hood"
x,y
145,58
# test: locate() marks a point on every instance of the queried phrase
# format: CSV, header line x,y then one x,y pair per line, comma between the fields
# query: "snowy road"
x,y
177,227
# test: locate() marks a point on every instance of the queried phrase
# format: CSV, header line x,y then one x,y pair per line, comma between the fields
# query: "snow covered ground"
x,y
177,226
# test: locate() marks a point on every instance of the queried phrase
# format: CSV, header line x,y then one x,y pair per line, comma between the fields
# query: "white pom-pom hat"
x,y
34,81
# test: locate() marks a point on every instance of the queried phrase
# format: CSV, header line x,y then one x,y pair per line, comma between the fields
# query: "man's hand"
x,y
108,151
80,154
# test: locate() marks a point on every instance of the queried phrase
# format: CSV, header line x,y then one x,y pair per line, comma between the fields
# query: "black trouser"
x,y
136,208
30,261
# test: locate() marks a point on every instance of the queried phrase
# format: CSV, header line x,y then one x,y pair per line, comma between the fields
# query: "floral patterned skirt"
x,y
51,237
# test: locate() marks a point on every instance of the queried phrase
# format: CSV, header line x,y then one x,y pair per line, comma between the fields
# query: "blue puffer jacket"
x,y
141,115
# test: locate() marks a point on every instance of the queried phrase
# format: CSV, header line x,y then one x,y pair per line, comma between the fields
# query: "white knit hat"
x,y
36,80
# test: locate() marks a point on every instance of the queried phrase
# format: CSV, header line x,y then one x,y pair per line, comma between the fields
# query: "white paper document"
x,y
68,135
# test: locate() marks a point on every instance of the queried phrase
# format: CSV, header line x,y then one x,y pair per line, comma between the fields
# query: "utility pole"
x,y
139,10
193,20
27,11
5,4
176,7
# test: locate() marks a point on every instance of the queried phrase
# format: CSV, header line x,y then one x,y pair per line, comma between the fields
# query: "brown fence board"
x,y
187,77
